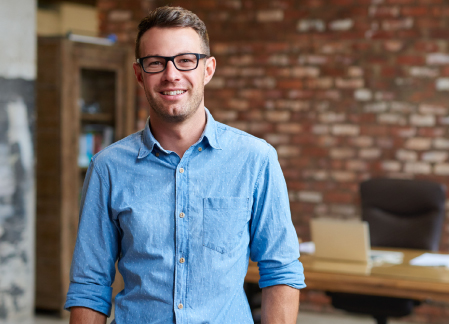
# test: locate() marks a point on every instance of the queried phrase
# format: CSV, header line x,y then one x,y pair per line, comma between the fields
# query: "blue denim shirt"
x,y
183,229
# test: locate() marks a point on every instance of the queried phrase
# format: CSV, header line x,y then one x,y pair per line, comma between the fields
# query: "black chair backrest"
x,y
403,213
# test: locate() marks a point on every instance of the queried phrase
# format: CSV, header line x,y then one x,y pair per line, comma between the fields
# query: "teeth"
x,y
173,93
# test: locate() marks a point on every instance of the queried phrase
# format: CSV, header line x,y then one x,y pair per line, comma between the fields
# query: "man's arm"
x,y
96,250
280,305
84,315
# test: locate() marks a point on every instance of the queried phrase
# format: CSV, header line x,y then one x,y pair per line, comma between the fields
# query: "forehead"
x,y
170,41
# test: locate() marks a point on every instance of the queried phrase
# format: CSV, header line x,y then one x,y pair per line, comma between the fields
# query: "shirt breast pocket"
x,y
224,220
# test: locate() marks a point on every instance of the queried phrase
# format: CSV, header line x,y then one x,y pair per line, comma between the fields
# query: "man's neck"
x,y
178,137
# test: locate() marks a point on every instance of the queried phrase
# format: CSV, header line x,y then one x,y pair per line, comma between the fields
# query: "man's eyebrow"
x,y
180,52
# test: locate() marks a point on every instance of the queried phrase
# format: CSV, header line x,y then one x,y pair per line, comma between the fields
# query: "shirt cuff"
x,y
291,275
91,296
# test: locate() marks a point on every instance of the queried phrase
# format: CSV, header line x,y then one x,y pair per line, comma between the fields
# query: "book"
x,y
93,139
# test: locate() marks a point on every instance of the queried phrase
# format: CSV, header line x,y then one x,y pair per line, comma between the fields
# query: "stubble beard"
x,y
185,111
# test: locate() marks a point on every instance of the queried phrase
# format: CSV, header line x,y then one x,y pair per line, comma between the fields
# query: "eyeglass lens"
x,y
155,64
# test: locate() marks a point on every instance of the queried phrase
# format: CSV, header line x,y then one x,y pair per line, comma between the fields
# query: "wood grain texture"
x,y
401,280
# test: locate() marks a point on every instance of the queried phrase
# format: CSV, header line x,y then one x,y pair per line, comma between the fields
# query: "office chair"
x,y
401,214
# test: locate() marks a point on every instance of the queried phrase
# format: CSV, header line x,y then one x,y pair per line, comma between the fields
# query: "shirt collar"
x,y
149,141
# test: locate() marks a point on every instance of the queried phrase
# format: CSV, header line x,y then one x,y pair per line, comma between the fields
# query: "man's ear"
x,y
209,71
138,73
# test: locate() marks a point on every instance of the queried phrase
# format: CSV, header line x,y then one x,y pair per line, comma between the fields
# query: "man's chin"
x,y
174,115
174,119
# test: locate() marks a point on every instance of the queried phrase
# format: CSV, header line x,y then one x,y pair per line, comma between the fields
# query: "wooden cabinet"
x,y
85,97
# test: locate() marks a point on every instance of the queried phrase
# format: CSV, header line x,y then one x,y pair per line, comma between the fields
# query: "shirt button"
x,y
157,154
180,306
200,149
181,215
182,260
181,170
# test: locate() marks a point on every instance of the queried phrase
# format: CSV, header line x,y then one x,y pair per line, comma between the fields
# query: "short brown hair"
x,y
172,17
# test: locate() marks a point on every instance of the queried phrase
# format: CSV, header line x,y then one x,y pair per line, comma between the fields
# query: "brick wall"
x,y
345,90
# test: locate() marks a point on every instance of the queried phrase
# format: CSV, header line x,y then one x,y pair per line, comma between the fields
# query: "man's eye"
x,y
155,63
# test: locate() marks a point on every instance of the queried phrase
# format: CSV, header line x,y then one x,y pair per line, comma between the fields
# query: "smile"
x,y
173,93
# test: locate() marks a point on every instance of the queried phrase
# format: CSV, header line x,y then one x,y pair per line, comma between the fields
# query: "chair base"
x,y
380,319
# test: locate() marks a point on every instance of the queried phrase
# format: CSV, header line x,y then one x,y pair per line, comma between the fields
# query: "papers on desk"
x,y
378,256
431,260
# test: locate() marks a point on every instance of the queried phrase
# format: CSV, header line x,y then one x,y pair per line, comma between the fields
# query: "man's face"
x,y
174,95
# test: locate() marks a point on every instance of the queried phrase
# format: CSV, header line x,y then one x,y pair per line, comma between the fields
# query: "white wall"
x,y
17,192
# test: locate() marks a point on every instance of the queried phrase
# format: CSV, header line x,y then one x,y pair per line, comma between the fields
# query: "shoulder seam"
x,y
99,174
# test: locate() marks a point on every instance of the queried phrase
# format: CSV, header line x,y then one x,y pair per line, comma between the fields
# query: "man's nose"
x,y
171,73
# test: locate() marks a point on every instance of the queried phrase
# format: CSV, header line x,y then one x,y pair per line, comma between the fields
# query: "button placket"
x,y
182,232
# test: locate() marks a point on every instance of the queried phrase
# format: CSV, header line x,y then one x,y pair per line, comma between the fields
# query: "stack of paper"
x,y
431,260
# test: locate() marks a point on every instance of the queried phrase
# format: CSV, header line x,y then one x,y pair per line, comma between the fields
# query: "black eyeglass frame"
x,y
172,59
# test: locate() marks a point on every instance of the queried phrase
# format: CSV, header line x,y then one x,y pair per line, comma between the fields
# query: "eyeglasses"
x,y
182,62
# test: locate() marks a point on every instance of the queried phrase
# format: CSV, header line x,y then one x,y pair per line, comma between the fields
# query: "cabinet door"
x,y
104,103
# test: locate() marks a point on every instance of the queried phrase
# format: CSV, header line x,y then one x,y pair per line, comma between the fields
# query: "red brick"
x,y
276,47
442,33
426,46
259,127
277,116
341,2
251,115
339,197
411,34
289,128
427,23
431,132
440,11
382,35
402,2
290,84
315,152
415,11
445,71
319,83
390,71
411,60
384,11
427,2
314,3
374,130
106,4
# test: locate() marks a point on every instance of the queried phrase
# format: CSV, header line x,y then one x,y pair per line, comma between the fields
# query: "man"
x,y
183,203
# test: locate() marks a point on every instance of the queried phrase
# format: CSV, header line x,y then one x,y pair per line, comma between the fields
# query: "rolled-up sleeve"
x,y
96,251
274,242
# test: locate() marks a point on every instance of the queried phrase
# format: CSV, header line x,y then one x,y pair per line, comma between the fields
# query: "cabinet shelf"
x,y
98,117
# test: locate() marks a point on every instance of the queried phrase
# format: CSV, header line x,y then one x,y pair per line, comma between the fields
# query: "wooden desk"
x,y
395,280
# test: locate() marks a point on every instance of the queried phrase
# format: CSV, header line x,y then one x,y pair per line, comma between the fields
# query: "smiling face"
x,y
174,96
